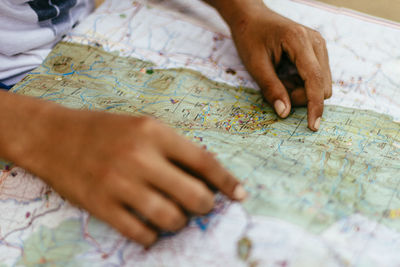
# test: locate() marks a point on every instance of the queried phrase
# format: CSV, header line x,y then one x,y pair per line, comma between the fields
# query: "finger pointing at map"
x,y
264,39
137,179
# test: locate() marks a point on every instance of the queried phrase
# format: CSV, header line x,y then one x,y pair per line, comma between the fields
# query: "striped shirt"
x,y
29,29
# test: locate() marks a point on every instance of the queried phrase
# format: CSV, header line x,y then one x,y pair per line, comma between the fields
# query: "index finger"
x,y
309,68
204,164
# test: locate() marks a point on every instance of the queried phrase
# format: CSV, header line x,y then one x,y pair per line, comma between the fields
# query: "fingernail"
x,y
280,107
239,193
317,123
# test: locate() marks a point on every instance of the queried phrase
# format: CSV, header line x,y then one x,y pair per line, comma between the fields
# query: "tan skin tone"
x,y
262,38
110,164
122,168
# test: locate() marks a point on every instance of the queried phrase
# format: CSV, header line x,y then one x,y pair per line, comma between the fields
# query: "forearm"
x,y
20,120
234,11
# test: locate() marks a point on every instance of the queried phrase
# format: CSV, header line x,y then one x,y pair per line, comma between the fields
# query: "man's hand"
x,y
132,172
289,61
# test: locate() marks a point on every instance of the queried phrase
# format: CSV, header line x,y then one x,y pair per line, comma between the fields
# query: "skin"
x,y
113,164
135,173
97,3
268,42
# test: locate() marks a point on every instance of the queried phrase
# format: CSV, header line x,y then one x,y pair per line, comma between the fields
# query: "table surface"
x,y
388,9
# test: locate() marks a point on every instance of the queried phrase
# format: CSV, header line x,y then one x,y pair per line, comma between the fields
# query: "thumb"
x,y
272,88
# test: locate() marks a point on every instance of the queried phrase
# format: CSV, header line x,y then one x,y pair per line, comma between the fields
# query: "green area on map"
x,y
311,179
48,247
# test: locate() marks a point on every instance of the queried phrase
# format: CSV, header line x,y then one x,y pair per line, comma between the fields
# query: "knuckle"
x,y
210,165
206,161
200,199
319,39
153,208
295,33
148,126
140,160
316,103
317,75
174,220
319,44
166,216
322,41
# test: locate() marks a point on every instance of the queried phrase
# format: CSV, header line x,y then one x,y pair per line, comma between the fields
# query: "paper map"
x,y
316,199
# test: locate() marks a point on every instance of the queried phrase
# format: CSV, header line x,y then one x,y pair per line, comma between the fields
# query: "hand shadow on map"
x,y
290,77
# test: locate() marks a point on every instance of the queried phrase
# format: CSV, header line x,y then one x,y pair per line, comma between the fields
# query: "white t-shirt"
x,y
29,29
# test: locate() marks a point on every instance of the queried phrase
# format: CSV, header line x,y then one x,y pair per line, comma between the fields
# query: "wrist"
x,y
22,122
235,12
